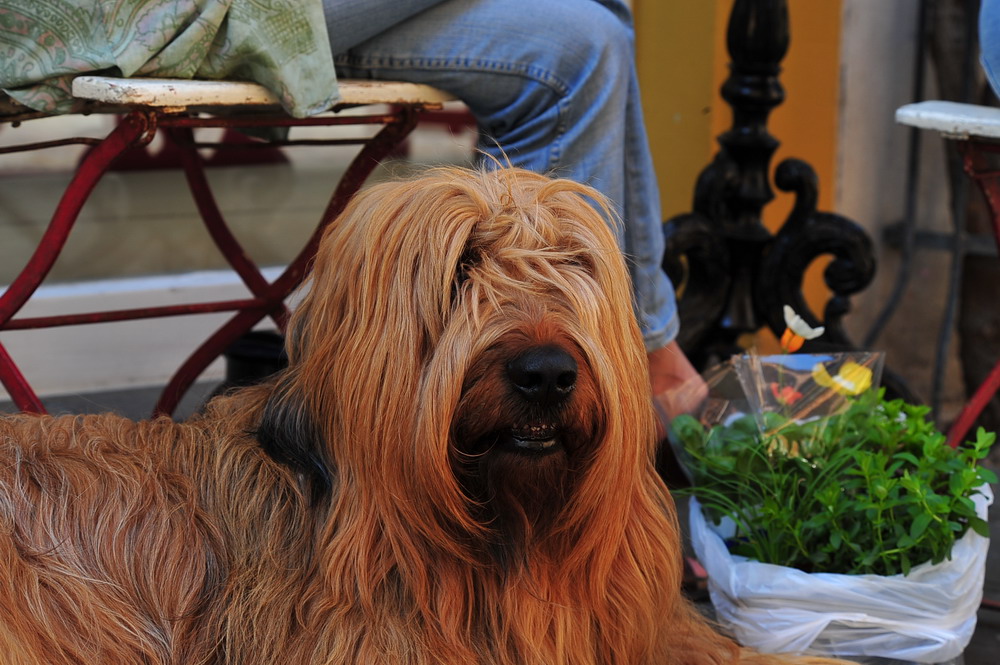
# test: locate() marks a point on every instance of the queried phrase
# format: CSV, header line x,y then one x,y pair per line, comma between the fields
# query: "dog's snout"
x,y
543,374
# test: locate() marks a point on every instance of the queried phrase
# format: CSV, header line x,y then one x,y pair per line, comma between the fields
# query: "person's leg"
x,y
553,87
350,22
989,42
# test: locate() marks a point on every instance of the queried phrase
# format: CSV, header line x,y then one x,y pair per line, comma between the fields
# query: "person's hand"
x,y
676,385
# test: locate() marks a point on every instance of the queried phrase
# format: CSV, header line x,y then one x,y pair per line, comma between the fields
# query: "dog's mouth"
x,y
534,438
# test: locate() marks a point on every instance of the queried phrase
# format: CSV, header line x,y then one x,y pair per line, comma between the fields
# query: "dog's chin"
x,y
518,478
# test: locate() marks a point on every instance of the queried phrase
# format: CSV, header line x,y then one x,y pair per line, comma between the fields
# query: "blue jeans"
x,y
553,82
989,42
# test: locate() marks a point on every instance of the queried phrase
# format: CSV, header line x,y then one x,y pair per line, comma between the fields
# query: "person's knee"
x,y
578,52
594,43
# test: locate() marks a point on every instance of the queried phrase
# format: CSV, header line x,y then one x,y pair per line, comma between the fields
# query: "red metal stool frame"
x,y
975,162
137,129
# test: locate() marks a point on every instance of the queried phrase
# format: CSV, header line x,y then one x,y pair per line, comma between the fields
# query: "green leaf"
x,y
919,525
956,483
984,440
980,526
964,506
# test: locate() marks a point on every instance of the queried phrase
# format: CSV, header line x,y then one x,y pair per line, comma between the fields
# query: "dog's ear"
x,y
289,434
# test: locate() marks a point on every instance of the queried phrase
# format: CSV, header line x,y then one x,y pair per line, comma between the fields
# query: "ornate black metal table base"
x,y
733,275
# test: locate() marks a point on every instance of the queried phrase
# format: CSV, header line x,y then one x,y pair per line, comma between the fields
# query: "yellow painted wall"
x,y
678,82
681,44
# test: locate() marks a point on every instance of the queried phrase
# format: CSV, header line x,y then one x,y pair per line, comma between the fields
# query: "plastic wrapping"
x,y
926,617
805,386
794,388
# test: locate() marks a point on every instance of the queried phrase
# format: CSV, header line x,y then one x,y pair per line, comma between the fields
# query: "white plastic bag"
x,y
926,617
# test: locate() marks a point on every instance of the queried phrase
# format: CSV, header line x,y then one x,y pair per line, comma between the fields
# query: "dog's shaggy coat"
x,y
397,495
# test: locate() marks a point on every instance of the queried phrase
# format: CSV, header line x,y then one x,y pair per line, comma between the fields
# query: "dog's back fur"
x,y
125,542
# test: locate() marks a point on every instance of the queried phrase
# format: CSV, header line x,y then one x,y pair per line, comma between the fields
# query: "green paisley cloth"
x,y
281,44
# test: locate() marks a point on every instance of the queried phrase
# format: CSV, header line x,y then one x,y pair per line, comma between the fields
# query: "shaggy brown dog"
x,y
455,468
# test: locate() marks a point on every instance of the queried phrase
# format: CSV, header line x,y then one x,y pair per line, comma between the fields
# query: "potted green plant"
x,y
831,520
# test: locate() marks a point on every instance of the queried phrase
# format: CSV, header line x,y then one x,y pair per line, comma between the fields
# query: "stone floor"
x,y
984,648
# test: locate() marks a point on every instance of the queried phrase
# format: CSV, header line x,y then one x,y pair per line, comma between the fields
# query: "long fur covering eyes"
x,y
392,497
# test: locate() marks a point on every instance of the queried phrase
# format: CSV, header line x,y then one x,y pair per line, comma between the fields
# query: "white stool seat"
x,y
954,120
180,94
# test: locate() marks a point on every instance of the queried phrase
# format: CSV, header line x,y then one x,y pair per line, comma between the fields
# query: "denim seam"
x,y
537,74
555,149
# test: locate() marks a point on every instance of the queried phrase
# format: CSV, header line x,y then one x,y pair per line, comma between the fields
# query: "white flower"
x,y
799,327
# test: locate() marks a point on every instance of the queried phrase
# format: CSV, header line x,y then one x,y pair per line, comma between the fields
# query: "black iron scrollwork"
x,y
805,236
734,276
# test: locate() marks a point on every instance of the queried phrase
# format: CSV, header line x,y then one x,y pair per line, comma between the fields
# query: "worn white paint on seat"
x,y
184,93
953,119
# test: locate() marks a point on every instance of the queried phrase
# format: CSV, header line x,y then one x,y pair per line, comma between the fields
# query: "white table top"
x,y
953,119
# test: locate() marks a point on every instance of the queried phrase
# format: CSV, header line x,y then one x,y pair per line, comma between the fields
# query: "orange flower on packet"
x,y
786,395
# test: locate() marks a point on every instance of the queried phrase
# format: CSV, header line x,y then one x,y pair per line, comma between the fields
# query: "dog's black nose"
x,y
543,374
